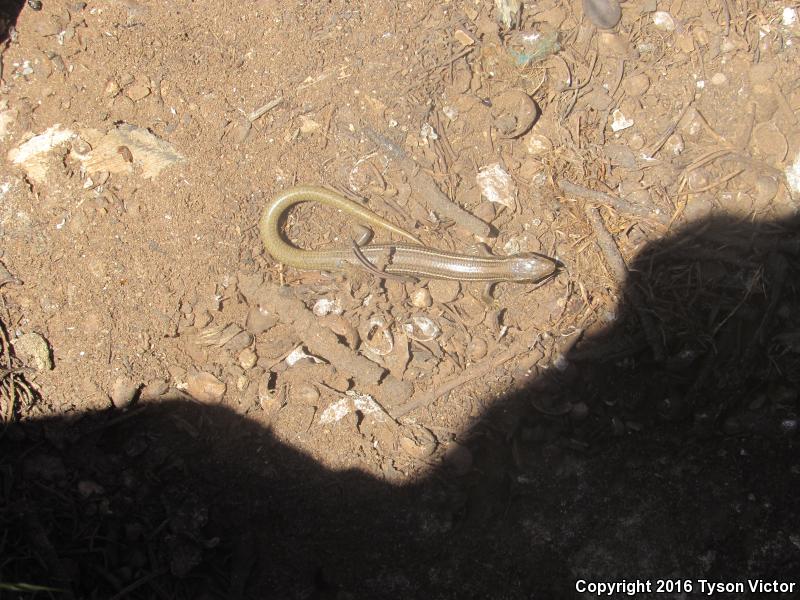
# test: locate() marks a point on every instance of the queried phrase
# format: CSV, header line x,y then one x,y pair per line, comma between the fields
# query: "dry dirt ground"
x,y
184,417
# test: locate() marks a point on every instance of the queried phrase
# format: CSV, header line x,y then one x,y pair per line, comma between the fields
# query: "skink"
x,y
392,259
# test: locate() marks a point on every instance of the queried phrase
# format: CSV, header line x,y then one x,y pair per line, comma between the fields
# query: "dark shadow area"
x,y
9,11
617,466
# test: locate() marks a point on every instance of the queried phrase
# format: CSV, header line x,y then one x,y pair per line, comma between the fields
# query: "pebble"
x,y
326,306
240,131
259,320
765,189
766,102
769,142
663,20
305,393
419,443
620,121
47,27
421,328
674,145
248,358
458,458
538,144
137,92
698,208
239,342
123,392
421,298
719,79
476,349
204,387
463,37
34,351
636,141
614,44
112,89
444,290
154,389
698,178
605,14
485,211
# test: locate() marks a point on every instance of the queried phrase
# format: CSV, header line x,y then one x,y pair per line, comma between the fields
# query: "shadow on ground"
x,y
617,467
9,11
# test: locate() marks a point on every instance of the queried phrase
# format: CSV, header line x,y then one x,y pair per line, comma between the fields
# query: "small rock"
x,y
34,351
464,38
240,130
239,342
476,349
326,306
719,79
248,358
418,442
305,393
538,144
605,14
260,320
620,121
177,373
204,387
613,44
698,179
421,298
123,392
112,89
698,208
421,328
47,27
308,125
663,20
485,211
636,141
674,145
764,189
444,290
458,458
138,91
154,389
